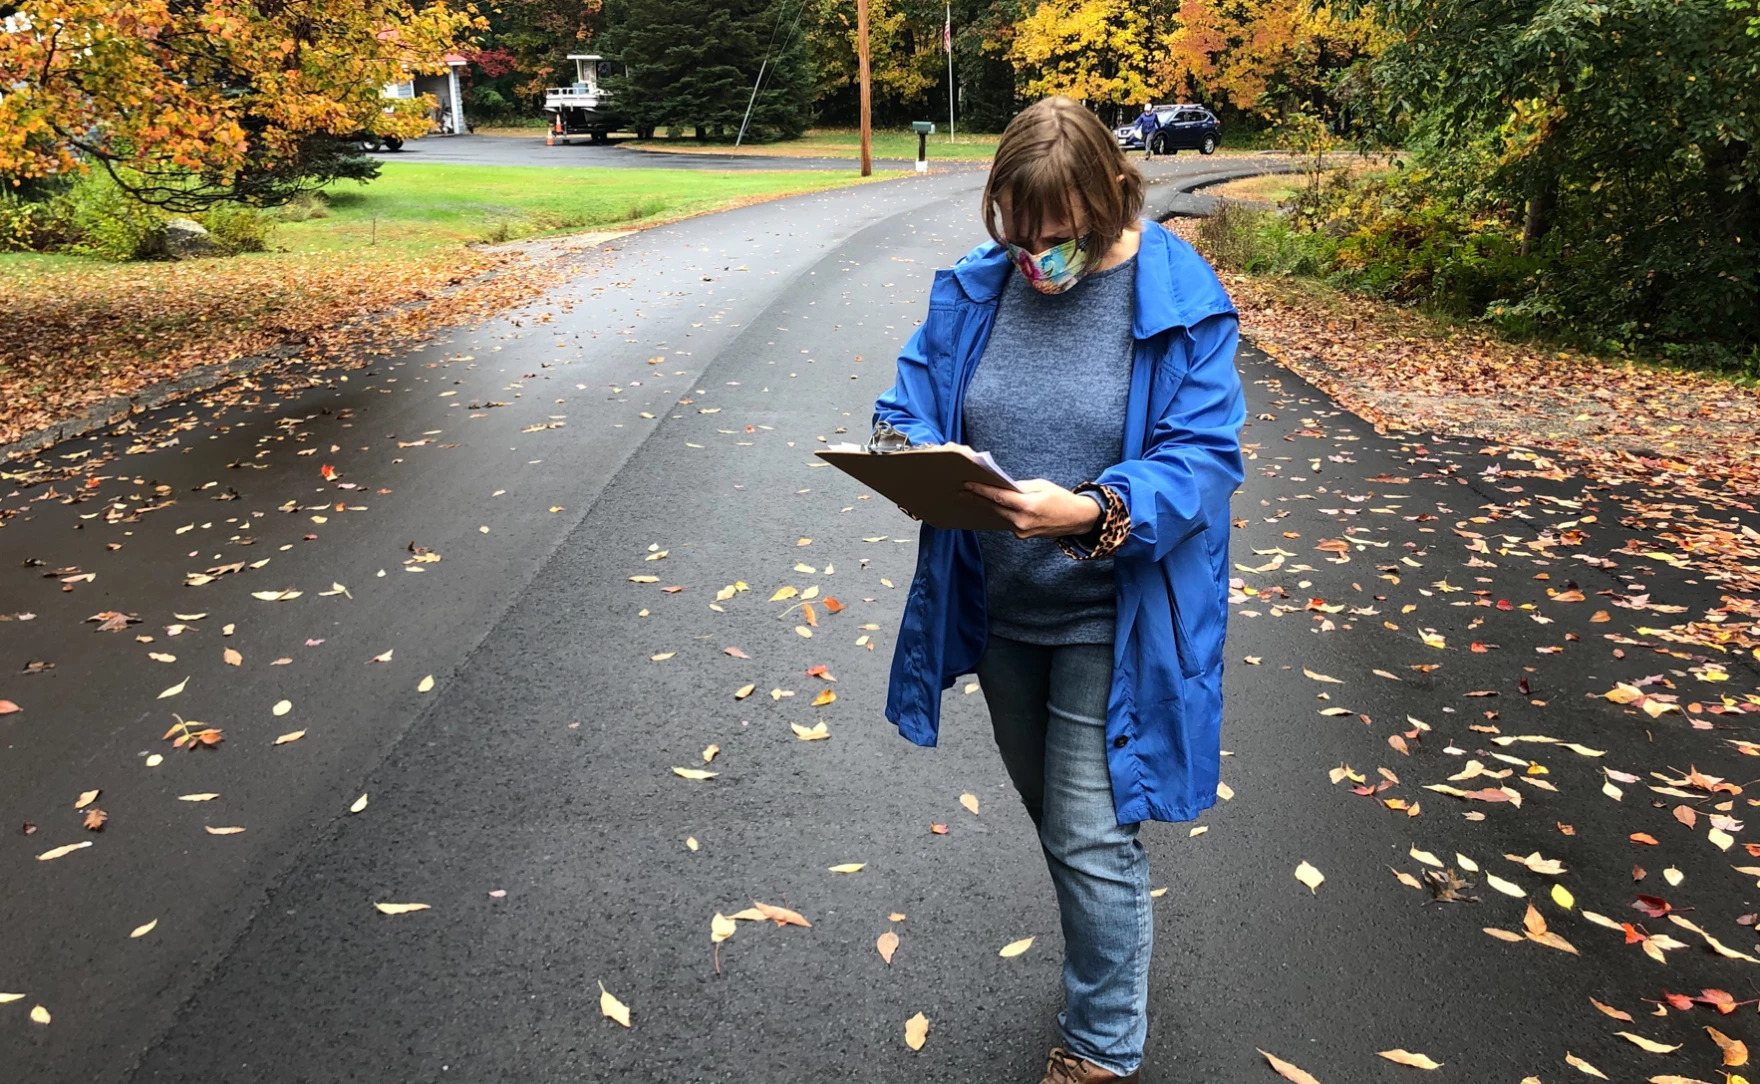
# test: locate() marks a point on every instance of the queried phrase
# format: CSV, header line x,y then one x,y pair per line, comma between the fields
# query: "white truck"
x,y
585,107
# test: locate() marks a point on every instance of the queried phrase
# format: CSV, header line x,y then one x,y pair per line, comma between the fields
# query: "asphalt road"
x,y
529,797
530,150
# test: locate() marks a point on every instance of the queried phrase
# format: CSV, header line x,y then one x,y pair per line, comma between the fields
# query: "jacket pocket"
x,y
1197,609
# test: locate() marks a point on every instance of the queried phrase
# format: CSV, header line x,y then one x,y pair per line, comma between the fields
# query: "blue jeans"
x,y
1048,709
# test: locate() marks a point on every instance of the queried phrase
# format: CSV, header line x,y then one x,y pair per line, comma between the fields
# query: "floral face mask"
x,y
1057,268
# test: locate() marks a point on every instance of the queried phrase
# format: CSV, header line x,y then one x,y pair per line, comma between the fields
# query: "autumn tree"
x,y
190,102
538,35
1104,52
1270,57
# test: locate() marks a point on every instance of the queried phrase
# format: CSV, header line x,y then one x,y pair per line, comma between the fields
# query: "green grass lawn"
x,y
844,143
421,205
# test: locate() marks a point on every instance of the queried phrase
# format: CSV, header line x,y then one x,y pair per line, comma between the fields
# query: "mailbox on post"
x,y
924,130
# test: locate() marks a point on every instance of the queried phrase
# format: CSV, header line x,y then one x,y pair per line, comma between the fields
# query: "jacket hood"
x,y
1175,287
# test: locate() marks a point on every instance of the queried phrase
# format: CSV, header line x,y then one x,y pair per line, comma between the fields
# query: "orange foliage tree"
x,y
1273,57
186,102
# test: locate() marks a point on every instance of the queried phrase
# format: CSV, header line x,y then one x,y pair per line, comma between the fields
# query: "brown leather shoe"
x,y
1062,1067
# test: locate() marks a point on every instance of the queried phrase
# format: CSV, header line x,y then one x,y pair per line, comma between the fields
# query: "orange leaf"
x,y
1288,1071
832,605
1645,838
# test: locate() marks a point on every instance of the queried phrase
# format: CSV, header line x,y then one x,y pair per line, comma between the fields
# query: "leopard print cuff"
x,y
1113,529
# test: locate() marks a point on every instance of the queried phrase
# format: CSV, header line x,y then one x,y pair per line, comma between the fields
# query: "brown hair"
x,y
1056,156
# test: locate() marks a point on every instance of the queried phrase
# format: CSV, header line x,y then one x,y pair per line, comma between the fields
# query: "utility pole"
x,y
867,100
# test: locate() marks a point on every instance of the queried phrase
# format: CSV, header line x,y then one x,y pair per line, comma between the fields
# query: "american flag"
x,y
947,32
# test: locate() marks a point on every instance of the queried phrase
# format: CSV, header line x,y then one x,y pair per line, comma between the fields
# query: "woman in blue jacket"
x,y
1085,348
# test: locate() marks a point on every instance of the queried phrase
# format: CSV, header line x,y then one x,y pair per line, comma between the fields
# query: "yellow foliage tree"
x,y
1104,52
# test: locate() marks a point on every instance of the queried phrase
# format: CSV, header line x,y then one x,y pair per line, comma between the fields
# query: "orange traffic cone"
x,y
549,137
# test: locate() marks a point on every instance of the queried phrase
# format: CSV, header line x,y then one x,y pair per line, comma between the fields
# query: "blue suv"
x,y
1183,127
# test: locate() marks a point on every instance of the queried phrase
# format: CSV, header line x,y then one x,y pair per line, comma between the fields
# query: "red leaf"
x,y
1679,1001
1654,906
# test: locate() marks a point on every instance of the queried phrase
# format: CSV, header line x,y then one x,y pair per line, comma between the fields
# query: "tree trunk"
x,y
1542,200
702,133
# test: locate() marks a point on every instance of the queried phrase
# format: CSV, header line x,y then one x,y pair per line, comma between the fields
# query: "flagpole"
x,y
947,39
862,68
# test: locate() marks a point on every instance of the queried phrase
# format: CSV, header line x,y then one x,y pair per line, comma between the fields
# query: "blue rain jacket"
x,y
1182,462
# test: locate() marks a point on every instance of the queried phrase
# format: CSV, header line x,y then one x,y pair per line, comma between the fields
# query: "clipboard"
x,y
930,482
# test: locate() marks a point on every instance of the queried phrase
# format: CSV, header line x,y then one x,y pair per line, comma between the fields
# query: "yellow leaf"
x,y
709,753
970,801
662,657
1425,857
86,798
1198,831
612,1007
691,842
816,733
213,831
1583,1066
276,596
1015,948
48,856
290,736
282,707
426,684
694,773
721,928
825,696
359,804
916,1031
644,579
1224,791
803,631
743,691
1651,1045
1562,896
1503,886
7,999
1321,677
204,797
142,931
232,657
848,867
1157,893
40,1015
782,593
1735,1052
399,908
1406,1057
886,944
1504,935
1311,877
1289,1072
174,690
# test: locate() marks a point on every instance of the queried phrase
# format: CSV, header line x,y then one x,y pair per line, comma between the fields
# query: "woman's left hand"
x,y
1041,509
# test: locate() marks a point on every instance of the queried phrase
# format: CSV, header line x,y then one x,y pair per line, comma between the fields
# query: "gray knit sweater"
x,y
1048,401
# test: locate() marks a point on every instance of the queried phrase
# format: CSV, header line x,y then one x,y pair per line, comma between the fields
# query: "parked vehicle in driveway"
x,y
1183,127
585,107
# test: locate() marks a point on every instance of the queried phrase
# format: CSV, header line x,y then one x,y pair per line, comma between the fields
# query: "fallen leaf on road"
x,y
662,657
1321,677
233,658
276,596
213,831
721,928
782,916
612,1007
1503,886
399,908
1287,1071
1651,1045
174,690
7,707
1562,896
816,733
40,1015
7,999
1406,1057
59,851
848,867
1583,1067
86,798
886,944
744,691
1735,1052
282,707
142,931
916,1031
1311,877
709,753
359,804
292,736
970,801
204,797
95,819
694,773
1617,1014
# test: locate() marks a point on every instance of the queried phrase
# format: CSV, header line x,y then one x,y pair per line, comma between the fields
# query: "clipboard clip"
x,y
887,439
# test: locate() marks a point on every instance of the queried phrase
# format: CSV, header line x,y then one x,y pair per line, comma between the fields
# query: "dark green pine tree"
x,y
693,63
